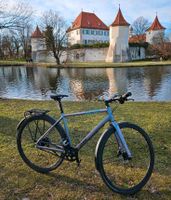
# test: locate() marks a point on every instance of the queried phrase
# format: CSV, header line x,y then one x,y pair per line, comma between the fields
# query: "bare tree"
x,y
17,43
14,17
7,46
25,40
55,33
161,47
140,25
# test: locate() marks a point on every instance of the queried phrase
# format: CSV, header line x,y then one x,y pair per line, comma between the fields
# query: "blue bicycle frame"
x,y
109,118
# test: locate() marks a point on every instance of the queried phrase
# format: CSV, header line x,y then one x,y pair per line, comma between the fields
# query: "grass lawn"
x,y
12,62
17,181
87,64
109,65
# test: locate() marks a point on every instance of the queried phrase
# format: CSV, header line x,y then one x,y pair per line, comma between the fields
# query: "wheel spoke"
x,y
40,158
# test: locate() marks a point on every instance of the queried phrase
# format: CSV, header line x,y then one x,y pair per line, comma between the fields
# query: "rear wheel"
x,y
120,174
27,135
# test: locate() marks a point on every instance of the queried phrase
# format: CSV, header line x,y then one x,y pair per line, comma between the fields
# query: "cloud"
x,y
107,9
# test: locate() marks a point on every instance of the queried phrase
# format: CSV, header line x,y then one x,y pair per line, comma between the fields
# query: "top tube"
x,y
86,112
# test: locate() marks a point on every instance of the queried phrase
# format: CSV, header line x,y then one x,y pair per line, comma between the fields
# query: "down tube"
x,y
93,132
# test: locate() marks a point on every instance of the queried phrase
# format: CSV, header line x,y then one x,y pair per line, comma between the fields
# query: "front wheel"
x,y
120,174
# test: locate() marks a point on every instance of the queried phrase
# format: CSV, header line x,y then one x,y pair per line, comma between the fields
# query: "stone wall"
x,y
44,56
87,55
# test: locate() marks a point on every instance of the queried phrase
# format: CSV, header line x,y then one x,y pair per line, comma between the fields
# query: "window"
x,y
83,31
92,32
87,32
139,52
77,32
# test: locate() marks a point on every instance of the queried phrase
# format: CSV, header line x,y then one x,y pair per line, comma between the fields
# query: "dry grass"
x,y
17,181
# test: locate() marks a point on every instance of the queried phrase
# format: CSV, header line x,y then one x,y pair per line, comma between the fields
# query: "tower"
x,y
37,42
155,31
119,34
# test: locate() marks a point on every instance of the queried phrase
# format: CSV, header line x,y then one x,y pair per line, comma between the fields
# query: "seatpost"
x,y
60,106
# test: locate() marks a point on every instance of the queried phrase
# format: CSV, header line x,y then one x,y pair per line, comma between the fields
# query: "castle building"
x,y
119,34
156,30
37,43
87,29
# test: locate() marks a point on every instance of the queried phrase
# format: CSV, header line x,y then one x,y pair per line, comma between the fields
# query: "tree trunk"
x,y
56,57
57,61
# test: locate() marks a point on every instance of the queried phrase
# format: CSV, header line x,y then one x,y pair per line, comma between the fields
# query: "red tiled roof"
x,y
37,33
119,20
87,20
137,38
156,25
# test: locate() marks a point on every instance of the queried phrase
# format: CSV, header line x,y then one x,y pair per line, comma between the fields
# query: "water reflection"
x,y
150,83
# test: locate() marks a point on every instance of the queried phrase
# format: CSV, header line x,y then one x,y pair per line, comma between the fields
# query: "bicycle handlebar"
x,y
121,99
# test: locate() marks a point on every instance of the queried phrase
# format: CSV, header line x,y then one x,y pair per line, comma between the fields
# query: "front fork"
x,y
121,140
119,136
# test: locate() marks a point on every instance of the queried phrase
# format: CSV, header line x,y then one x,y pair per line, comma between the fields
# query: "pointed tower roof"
x,y
119,20
37,33
156,25
87,20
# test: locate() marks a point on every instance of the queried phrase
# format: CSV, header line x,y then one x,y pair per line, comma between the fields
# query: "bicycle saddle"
x,y
58,97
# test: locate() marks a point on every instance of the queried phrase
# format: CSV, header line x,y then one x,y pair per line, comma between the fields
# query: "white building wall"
x,y
87,36
74,37
87,55
94,35
118,44
43,56
151,34
38,44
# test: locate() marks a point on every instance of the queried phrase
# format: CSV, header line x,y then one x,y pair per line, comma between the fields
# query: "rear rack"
x,y
35,112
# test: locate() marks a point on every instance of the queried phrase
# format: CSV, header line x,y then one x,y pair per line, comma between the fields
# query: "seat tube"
x,y
66,127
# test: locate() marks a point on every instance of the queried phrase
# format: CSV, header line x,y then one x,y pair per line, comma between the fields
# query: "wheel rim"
x,y
37,157
126,174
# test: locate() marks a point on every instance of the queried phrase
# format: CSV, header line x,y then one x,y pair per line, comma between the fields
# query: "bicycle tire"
x,y
110,174
25,148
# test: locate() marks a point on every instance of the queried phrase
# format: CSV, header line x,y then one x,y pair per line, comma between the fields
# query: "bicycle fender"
x,y
31,113
20,123
98,143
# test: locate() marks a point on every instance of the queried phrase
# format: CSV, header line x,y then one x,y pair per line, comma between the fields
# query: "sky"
x,y
106,10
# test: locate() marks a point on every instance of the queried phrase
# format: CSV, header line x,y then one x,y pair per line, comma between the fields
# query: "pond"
x,y
146,83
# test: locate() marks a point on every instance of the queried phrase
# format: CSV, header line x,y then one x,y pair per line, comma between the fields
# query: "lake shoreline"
x,y
88,64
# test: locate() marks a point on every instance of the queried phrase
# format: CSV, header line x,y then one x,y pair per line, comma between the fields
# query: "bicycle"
x,y
124,154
